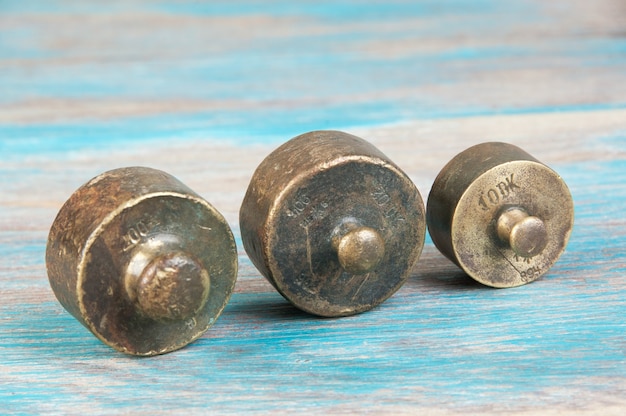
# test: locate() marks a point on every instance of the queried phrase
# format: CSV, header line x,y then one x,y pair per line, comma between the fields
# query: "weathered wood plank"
x,y
205,91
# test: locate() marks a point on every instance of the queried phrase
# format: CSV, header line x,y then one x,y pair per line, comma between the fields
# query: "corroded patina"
x,y
141,260
500,214
332,223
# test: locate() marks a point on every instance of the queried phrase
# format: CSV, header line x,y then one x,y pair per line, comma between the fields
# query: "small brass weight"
x,y
142,261
332,223
500,214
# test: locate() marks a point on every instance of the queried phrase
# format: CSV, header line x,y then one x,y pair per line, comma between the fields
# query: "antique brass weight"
x,y
332,223
500,214
142,261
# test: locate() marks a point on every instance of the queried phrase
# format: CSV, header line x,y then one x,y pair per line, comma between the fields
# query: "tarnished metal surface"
x,y
142,261
332,223
500,214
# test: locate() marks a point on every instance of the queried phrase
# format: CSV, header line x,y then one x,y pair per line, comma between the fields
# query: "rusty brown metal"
x,y
500,214
141,260
332,223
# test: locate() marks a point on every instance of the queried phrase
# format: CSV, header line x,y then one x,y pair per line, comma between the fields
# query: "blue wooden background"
x,y
205,90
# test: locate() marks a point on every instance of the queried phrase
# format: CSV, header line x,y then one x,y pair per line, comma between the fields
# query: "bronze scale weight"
x,y
500,214
141,260
332,223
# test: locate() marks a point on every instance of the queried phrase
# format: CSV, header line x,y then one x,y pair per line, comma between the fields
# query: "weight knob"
x,y
332,223
500,214
141,260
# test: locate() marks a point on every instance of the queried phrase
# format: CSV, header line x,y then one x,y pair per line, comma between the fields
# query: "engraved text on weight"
x,y
498,193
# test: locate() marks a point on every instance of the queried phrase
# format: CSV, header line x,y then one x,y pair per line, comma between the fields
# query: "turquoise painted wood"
x,y
205,90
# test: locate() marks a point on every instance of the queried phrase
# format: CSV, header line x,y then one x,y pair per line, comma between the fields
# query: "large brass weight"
x,y
500,214
332,223
142,261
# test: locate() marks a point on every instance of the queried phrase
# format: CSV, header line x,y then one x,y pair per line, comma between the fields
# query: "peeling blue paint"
x,y
441,341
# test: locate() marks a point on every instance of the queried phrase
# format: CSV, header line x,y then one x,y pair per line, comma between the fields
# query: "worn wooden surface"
x,y
206,90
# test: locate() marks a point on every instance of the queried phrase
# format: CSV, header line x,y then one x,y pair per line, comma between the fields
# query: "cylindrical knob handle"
x,y
167,285
359,250
526,235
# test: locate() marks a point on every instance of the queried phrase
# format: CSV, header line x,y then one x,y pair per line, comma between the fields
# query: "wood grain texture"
x,y
206,90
